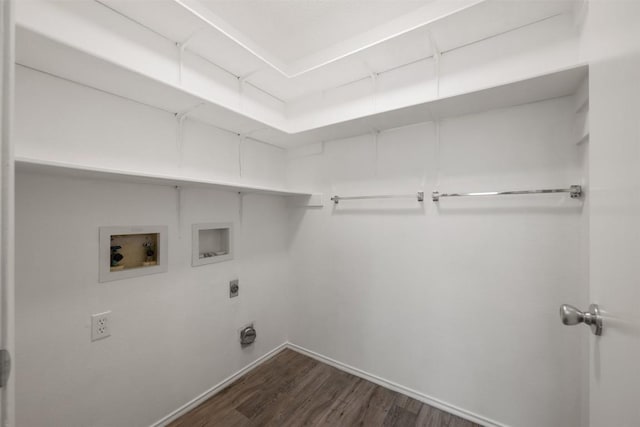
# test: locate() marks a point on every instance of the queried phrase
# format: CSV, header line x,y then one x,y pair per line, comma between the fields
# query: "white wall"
x,y
457,301
174,335
545,47
57,120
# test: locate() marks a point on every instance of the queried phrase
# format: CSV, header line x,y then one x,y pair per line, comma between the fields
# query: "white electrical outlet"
x,y
100,326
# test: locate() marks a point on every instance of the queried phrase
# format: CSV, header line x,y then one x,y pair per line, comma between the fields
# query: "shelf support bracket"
x,y
179,209
437,55
373,75
240,208
243,80
374,89
181,48
376,136
242,137
180,117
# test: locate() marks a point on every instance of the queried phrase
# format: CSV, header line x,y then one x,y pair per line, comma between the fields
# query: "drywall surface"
x,y
173,335
57,120
457,300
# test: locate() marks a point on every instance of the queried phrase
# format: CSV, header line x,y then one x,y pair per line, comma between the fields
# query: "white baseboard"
x,y
478,419
217,388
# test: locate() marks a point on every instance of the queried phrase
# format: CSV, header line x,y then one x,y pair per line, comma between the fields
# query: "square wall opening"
x,y
212,242
127,252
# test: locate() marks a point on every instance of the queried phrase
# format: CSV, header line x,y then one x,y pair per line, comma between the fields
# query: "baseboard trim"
x,y
478,419
218,387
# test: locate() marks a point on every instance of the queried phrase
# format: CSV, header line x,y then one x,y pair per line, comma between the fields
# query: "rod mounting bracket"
x,y
575,191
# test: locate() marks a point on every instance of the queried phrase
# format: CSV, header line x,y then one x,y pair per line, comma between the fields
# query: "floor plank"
x,y
291,390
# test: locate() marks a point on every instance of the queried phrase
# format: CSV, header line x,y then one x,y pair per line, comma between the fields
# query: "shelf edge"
x,y
26,164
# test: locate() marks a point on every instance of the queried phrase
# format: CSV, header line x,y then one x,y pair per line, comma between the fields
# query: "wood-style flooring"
x,y
291,389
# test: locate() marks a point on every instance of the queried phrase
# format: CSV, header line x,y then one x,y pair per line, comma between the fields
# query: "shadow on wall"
x,y
511,205
510,210
341,210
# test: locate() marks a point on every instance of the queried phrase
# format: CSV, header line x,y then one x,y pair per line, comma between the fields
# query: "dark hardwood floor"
x,y
291,389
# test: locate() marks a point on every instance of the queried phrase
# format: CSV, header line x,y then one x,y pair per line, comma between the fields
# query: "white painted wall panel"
x,y
209,152
174,335
62,121
538,151
394,88
541,48
544,47
458,302
116,38
262,164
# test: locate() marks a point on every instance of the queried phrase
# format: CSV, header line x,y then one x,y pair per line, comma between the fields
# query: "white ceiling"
x,y
293,29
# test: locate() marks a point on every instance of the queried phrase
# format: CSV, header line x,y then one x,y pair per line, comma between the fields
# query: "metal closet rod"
x,y
575,192
419,196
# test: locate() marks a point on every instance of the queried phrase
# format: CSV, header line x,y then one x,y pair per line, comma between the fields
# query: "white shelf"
x,y
560,83
38,52
84,171
41,53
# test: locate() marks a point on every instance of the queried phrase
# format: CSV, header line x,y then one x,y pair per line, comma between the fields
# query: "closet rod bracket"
x,y
575,191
